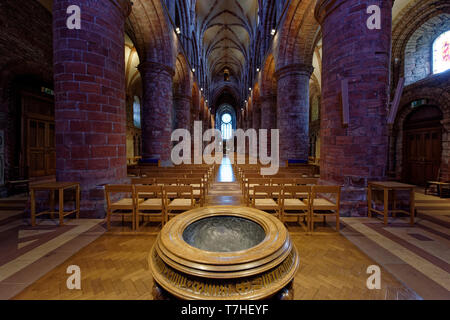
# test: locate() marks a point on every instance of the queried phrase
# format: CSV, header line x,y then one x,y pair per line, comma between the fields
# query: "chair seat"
x,y
252,192
180,204
268,204
124,204
323,204
151,204
294,204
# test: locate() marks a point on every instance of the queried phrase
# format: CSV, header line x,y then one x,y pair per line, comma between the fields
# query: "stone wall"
x,y
418,51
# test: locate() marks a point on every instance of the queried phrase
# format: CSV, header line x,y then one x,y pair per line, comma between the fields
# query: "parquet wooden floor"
x,y
115,267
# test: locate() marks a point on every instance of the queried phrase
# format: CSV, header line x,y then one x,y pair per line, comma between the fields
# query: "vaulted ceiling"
x,y
226,28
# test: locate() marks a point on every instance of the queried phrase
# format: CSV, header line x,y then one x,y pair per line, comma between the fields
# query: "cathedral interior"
x,y
349,99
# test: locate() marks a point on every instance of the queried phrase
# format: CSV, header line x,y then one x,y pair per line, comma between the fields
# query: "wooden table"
x,y
52,187
387,186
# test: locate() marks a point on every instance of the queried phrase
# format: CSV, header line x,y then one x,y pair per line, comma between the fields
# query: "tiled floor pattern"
x,y
27,253
418,255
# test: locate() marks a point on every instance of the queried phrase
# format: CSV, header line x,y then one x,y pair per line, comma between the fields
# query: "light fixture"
x,y
273,32
193,69
249,89
178,30
257,69
201,89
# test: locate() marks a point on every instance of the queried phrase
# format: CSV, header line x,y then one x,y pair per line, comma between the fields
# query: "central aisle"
x,y
225,190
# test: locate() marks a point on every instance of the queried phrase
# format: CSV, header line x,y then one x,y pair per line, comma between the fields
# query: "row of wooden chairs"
x,y
300,201
151,201
250,183
198,184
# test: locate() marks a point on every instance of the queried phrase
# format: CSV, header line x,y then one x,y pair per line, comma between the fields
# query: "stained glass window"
x,y
137,112
226,127
441,53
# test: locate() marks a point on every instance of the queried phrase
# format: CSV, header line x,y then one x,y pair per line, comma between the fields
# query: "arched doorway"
x,y
422,145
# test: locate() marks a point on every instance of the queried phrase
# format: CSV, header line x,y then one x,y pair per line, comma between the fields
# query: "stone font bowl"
x,y
223,252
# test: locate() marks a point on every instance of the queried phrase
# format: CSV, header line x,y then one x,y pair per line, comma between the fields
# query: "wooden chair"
x,y
441,188
198,189
152,206
323,206
182,201
263,199
124,207
306,181
250,184
281,182
292,206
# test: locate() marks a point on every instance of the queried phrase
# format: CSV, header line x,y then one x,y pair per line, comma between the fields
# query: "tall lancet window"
x,y
227,126
441,53
137,112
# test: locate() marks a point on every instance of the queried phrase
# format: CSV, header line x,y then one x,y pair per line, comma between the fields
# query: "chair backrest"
x,y
295,191
282,181
156,191
190,181
267,190
258,181
167,181
143,181
329,190
306,181
118,188
181,191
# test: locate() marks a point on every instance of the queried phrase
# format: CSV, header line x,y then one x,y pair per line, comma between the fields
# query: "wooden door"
x,y
41,152
422,155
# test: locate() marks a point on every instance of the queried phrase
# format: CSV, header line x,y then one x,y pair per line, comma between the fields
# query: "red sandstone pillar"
x,y
293,111
355,154
157,111
90,98
268,112
268,116
182,105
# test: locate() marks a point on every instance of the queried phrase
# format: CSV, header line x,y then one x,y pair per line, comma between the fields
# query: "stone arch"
x,y
149,26
411,18
433,96
299,34
418,50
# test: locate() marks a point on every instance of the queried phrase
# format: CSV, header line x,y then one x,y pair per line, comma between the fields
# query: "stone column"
x,y
268,116
182,105
89,78
355,154
157,111
293,111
